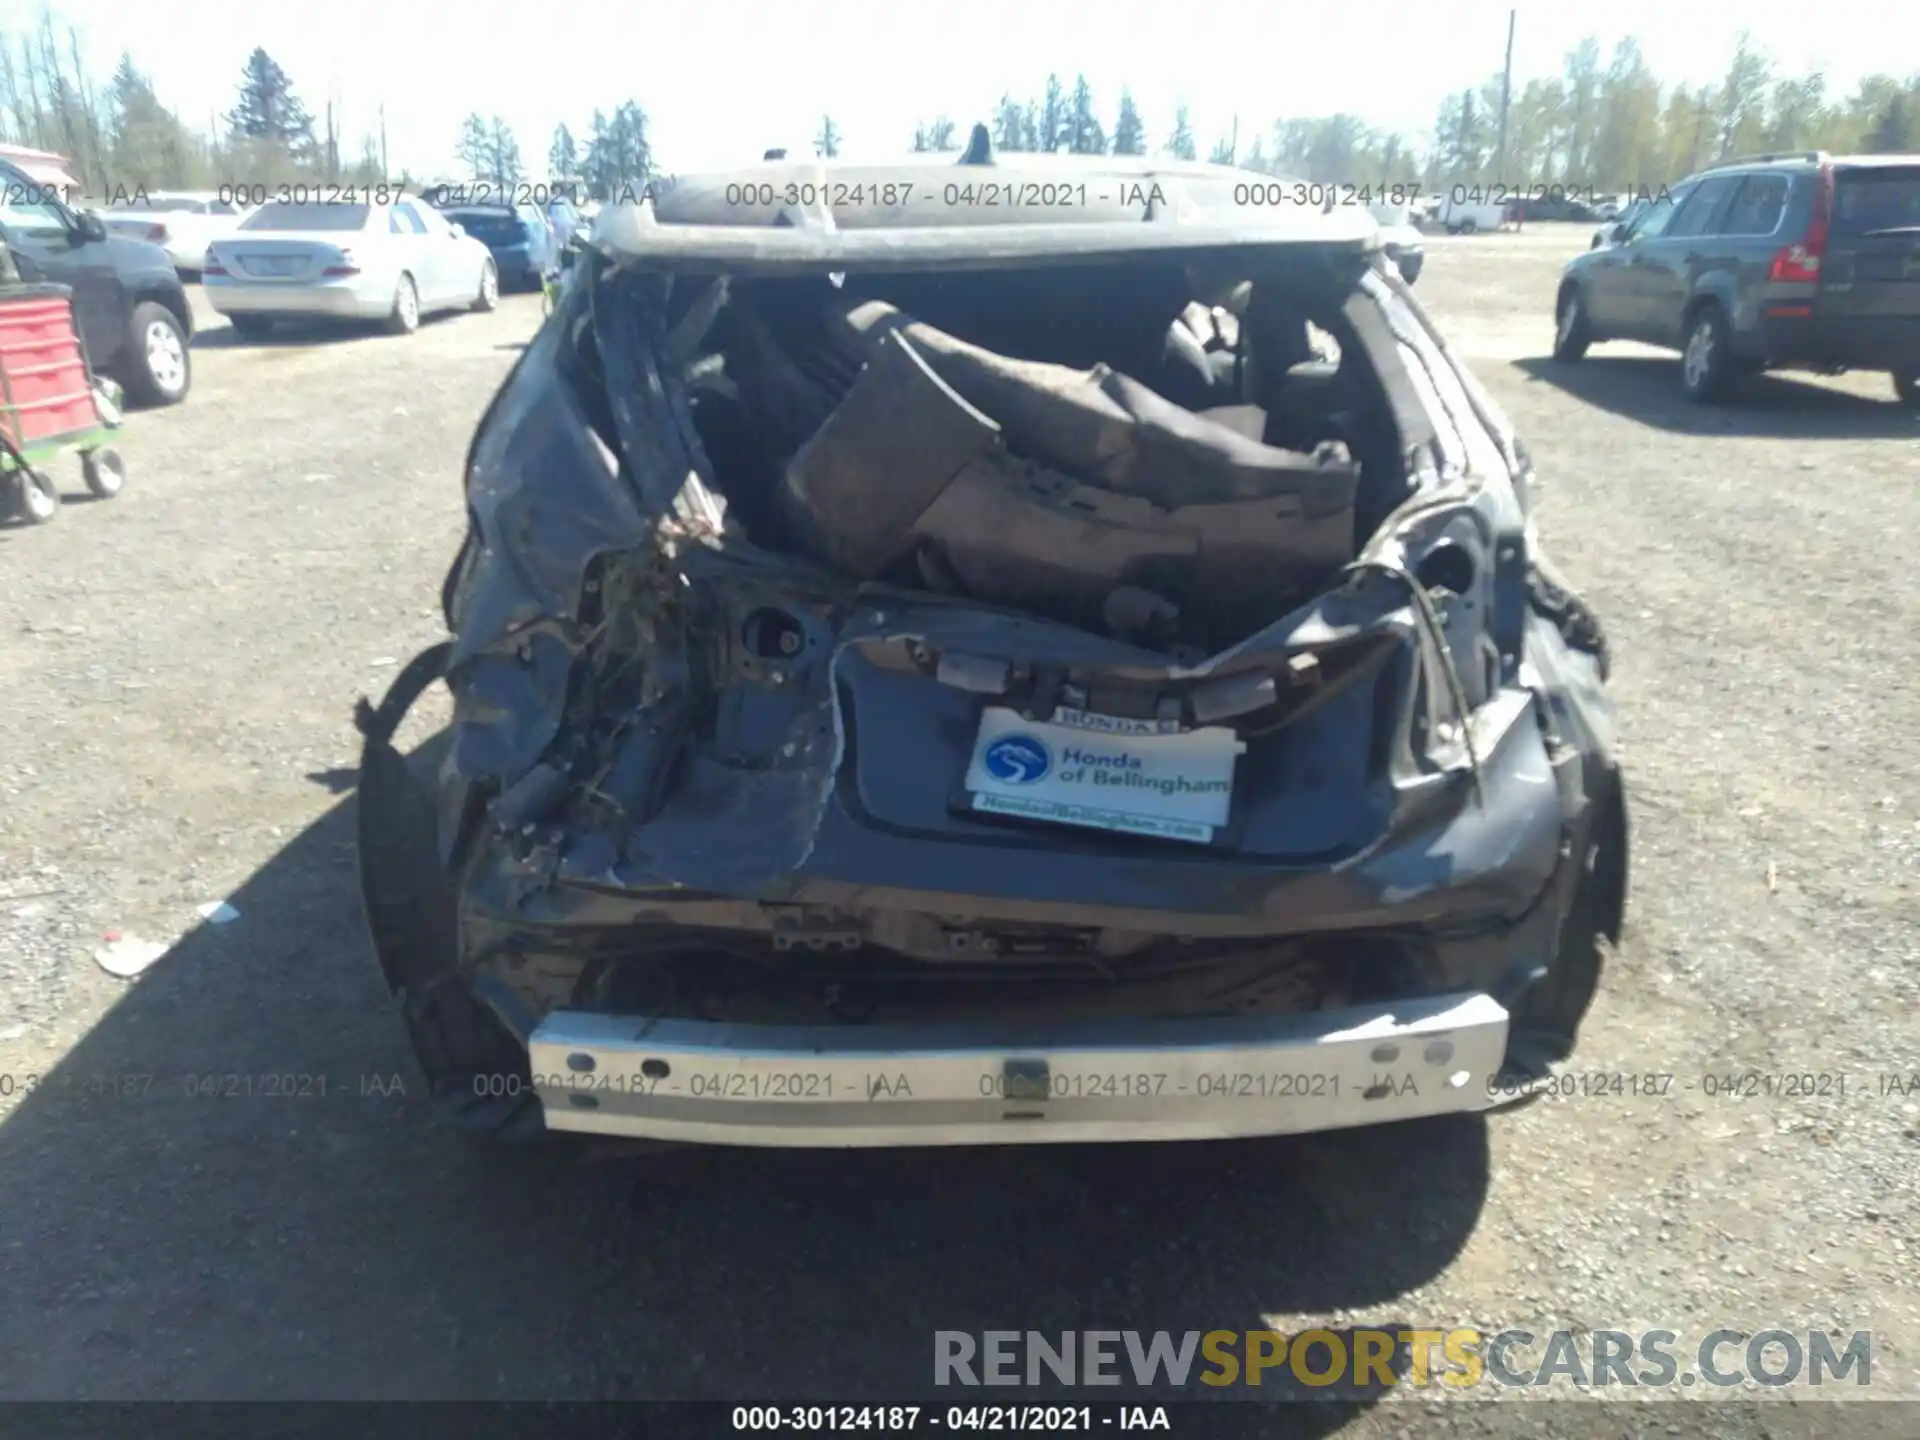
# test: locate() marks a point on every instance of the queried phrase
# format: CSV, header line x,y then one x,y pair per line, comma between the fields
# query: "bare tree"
x,y
19,117
89,98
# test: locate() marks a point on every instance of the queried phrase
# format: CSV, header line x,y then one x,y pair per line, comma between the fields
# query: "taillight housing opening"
x,y
341,267
1801,260
210,265
157,234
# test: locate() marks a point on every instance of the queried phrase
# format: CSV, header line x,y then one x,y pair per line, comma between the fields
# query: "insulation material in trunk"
x,y
1045,488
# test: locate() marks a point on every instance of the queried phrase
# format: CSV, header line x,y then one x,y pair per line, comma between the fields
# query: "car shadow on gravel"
x,y
1771,406
232,1188
305,334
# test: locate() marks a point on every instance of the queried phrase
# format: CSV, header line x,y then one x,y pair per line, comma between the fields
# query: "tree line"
x,y
120,136
1612,123
1607,123
616,154
1060,120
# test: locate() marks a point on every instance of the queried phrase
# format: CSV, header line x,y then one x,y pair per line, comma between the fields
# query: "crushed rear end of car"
x,y
946,686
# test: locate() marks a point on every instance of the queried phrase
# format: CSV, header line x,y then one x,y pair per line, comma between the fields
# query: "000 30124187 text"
x,y
1015,1417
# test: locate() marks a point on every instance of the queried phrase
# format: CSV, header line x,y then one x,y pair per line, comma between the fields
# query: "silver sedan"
x,y
337,260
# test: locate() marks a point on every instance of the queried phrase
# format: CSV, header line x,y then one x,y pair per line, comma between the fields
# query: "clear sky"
x,y
721,80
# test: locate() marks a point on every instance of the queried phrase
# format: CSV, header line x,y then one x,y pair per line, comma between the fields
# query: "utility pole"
x,y
1233,145
384,172
1506,100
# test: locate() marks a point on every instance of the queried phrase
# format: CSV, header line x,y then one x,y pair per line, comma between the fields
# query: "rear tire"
x,y
405,318
479,1076
104,471
159,366
489,297
1706,359
1572,331
1907,387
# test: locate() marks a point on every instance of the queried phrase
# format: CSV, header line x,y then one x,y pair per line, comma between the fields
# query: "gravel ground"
x,y
175,682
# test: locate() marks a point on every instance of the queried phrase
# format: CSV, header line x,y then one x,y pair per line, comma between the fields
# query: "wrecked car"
x,y
1001,651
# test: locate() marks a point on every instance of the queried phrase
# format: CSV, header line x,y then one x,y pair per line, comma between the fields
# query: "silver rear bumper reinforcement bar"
x,y
993,1084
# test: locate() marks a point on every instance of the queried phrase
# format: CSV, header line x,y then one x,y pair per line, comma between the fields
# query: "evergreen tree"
x,y
619,158
1180,144
1084,133
1129,133
504,166
1010,126
267,108
1051,132
933,137
593,163
563,156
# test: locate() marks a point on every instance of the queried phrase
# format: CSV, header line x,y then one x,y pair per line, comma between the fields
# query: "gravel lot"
x,y
176,677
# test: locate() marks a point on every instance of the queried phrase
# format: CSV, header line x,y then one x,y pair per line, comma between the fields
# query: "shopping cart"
x,y
50,403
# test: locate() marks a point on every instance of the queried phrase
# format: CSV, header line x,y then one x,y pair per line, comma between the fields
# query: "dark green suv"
x,y
1807,261
128,303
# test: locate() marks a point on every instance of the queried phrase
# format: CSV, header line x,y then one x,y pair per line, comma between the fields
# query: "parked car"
x,y
1807,261
1404,244
128,302
181,222
520,238
1549,208
334,260
1466,215
905,692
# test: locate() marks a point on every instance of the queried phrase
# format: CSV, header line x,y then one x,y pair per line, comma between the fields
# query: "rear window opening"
x,y
286,215
1098,444
1871,200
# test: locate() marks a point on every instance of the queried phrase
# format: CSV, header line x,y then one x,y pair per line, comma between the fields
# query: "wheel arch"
x,y
1700,301
170,298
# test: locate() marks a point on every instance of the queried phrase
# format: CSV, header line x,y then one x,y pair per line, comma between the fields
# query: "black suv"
x,y
128,303
1807,261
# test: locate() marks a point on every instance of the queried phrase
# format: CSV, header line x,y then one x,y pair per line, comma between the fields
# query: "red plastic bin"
x,y
46,385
